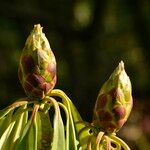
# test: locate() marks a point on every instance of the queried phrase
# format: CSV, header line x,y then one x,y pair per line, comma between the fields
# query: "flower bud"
x,y
114,101
37,69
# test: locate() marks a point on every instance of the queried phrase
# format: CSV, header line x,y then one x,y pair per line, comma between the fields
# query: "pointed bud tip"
x,y
38,28
121,65
37,25
118,71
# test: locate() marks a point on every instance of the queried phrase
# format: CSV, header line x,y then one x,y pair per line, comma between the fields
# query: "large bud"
x,y
37,69
114,101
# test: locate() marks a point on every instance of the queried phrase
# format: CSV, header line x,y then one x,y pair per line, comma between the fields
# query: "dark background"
x,y
89,38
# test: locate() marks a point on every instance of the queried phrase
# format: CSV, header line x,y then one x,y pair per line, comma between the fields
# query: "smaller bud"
x,y
37,69
114,101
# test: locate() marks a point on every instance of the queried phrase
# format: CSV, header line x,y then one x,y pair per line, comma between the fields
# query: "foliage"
x,y
47,118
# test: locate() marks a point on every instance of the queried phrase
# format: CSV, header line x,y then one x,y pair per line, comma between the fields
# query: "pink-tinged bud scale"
x,y
114,101
37,69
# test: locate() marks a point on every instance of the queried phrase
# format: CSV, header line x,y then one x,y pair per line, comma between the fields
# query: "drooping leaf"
x,y
38,127
46,131
31,141
68,128
16,104
5,121
20,118
5,135
21,143
29,132
58,142
65,99
77,124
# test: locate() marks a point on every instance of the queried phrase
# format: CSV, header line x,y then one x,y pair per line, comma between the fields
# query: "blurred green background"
x,y
89,38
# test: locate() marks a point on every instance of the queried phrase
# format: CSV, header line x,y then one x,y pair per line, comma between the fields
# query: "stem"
x,y
89,147
108,142
98,139
121,142
34,112
118,146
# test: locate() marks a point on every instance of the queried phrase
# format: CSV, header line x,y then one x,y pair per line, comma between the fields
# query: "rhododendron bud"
x,y
37,69
114,101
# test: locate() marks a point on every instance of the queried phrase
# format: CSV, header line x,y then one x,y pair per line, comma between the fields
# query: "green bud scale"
x,y
114,101
37,69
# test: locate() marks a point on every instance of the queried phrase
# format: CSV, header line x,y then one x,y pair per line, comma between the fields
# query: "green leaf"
x,y
4,112
73,138
68,128
38,126
58,142
46,130
20,118
74,127
78,129
76,117
18,103
5,135
1,123
32,136
5,121
27,140
82,129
